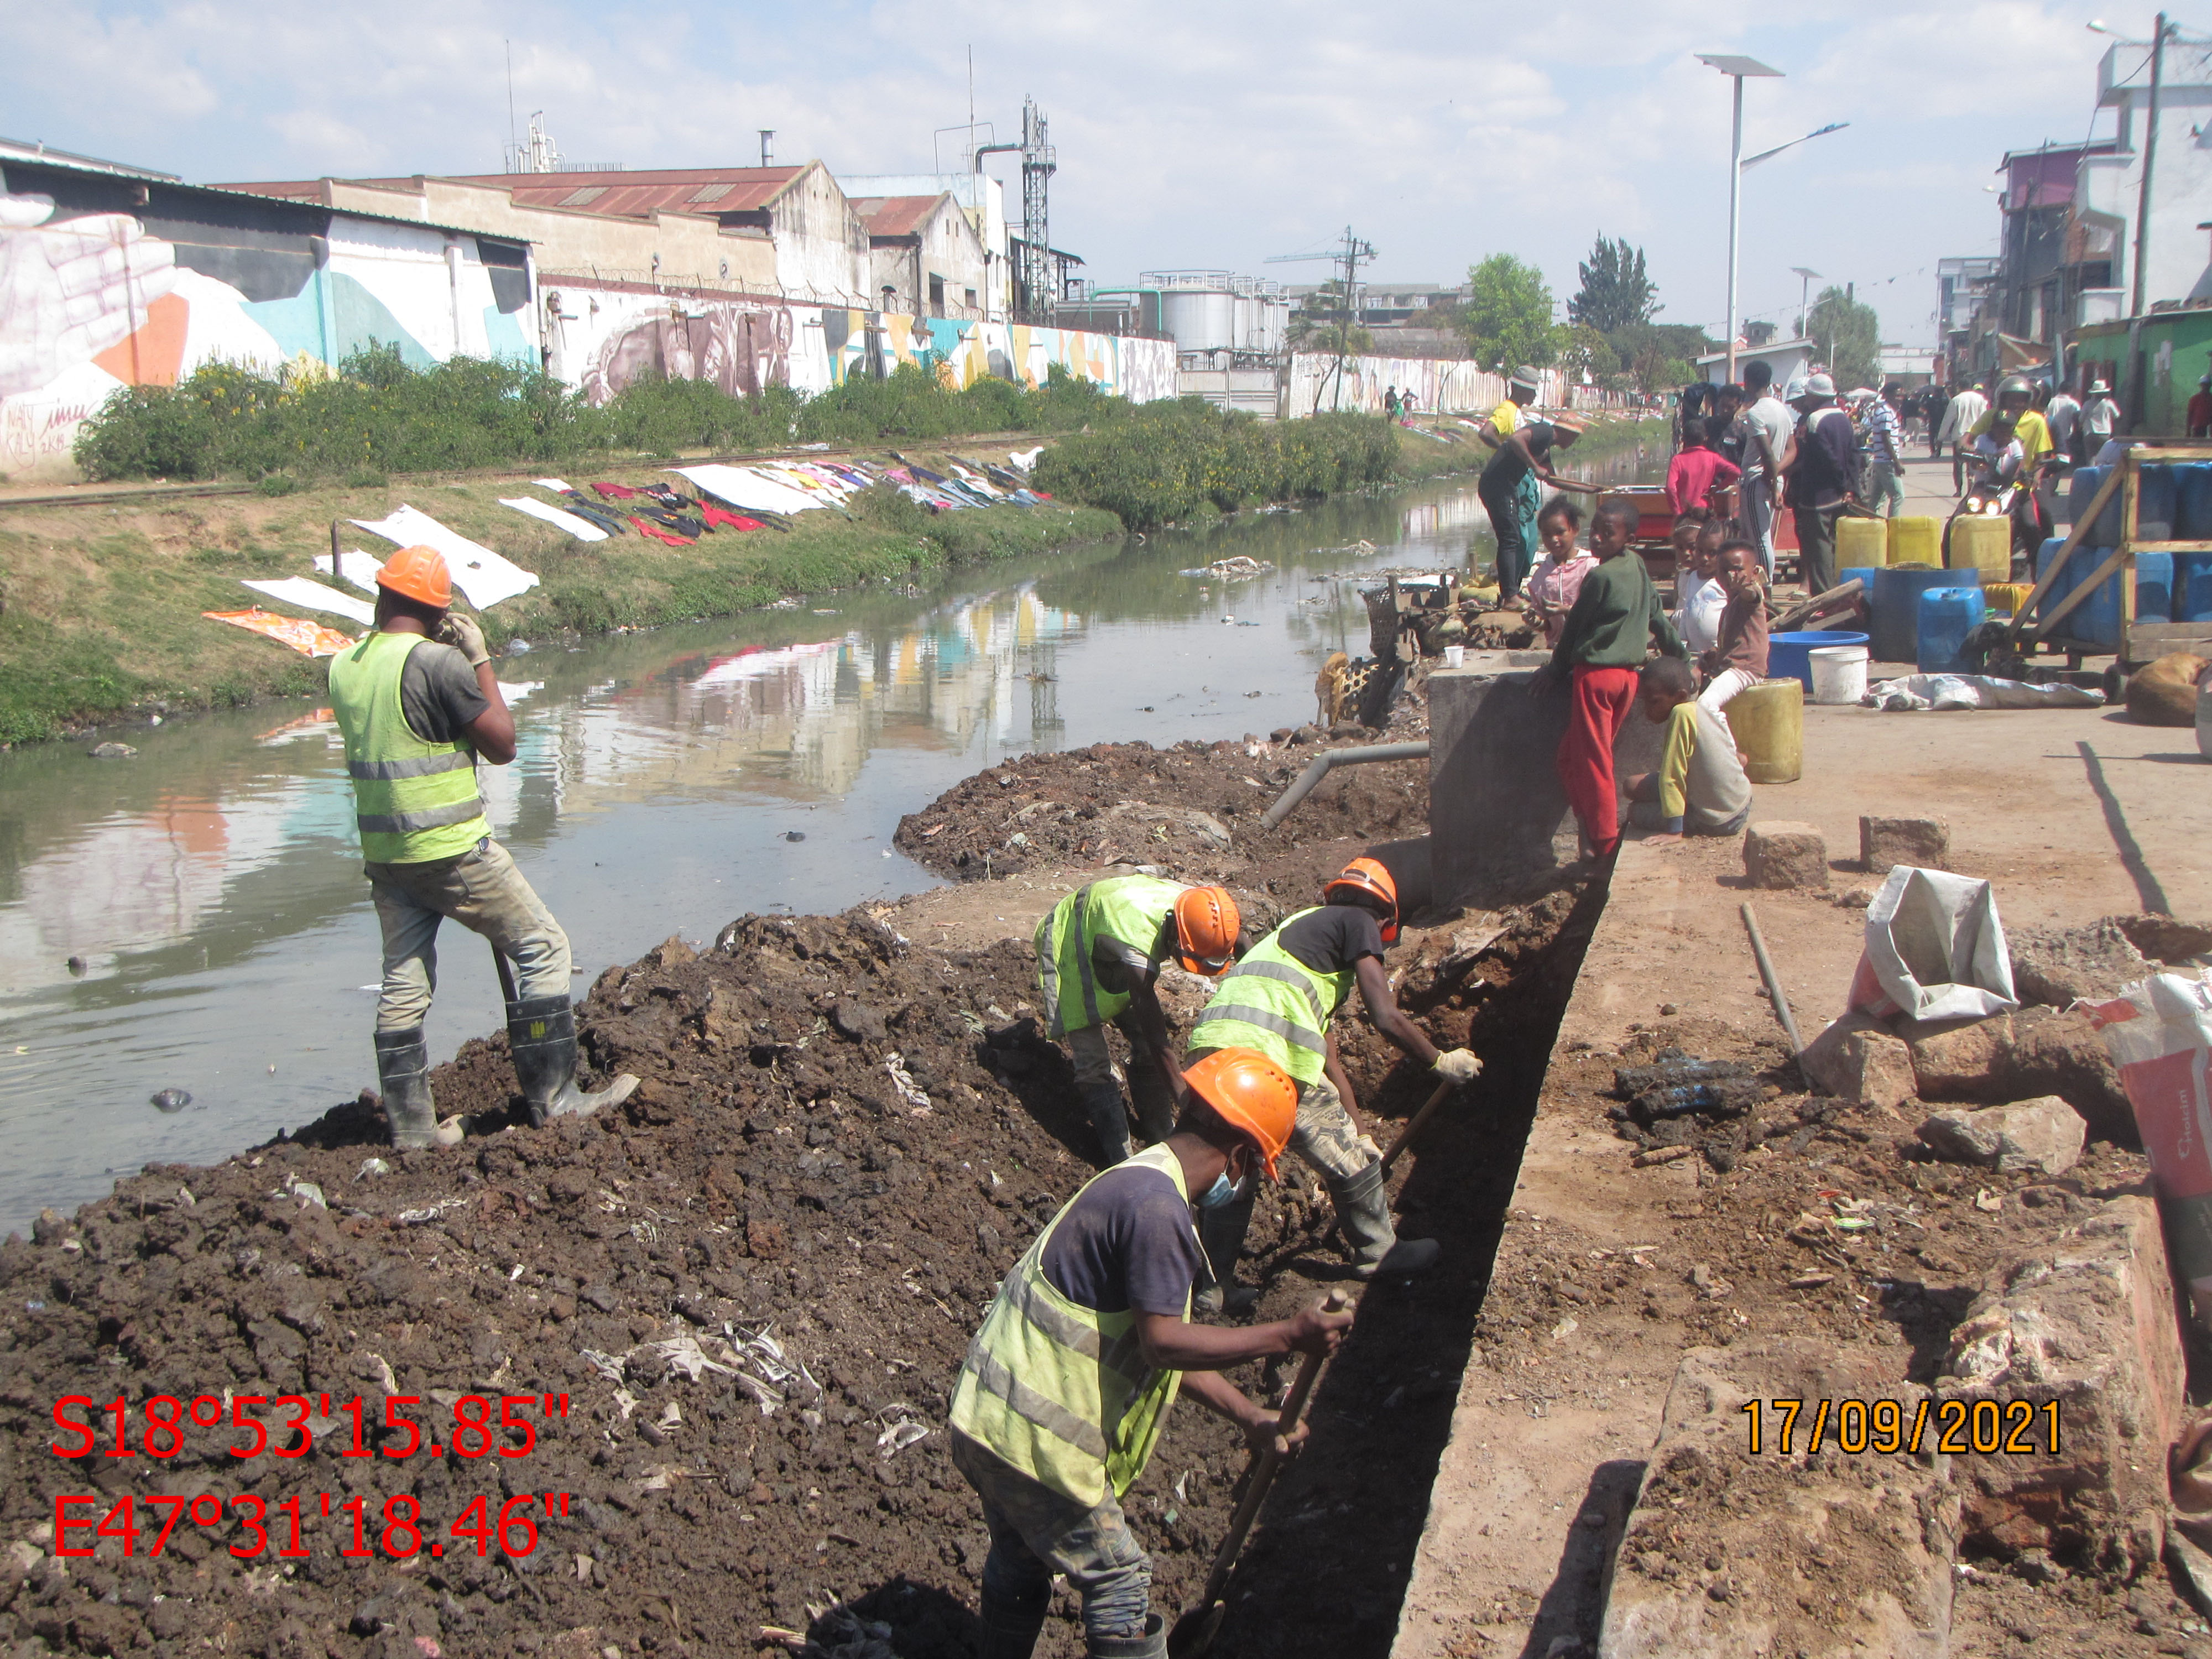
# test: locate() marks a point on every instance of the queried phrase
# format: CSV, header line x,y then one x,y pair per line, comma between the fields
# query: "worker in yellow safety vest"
x,y
1066,1385
1099,952
1279,1000
418,705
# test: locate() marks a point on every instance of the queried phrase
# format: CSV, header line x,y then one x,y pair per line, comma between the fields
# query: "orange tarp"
x,y
309,639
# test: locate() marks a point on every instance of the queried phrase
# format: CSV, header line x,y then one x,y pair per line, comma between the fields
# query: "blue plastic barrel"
x,y
1896,608
2084,486
2192,587
2192,493
2154,586
2096,620
1790,655
2155,504
1948,615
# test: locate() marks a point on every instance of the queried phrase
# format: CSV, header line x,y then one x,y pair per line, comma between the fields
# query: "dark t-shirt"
x,y
1330,939
438,693
1126,1243
1506,468
1121,966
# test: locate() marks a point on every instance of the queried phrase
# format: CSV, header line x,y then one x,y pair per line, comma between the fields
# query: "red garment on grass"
x,y
614,492
647,528
716,515
1603,700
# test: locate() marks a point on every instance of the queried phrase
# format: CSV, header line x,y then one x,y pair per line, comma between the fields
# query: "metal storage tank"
x,y
1198,309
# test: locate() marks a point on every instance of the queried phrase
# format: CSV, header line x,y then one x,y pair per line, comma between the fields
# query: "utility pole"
x,y
1348,258
2149,159
1735,69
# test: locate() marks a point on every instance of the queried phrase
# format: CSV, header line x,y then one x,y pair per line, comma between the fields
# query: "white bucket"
x,y
1454,656
1840,673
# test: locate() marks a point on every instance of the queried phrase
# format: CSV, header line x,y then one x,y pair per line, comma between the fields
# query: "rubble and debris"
x,y
2044,1134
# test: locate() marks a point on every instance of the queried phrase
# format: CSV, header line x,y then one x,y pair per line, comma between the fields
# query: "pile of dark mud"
x,y
1191,811
753,1283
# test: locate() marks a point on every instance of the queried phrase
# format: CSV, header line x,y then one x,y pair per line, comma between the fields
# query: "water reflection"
x,y
210,888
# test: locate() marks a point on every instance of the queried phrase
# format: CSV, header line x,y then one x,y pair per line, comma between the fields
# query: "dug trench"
x,y
746,1293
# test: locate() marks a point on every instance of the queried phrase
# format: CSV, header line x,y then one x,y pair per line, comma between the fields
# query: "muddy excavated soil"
x,y
753,1284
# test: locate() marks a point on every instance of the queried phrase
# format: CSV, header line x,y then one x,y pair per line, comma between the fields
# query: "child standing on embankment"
x,y
1602,647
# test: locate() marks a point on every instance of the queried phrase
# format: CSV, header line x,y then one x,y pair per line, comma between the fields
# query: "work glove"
x,y
1457,1066
462,633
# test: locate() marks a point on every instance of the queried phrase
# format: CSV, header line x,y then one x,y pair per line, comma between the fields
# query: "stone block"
x,y
2087,1322
1878,1070
1924,842
2060,966
1805,1551
1782,855
1823,1061
1959,1060
2042,1135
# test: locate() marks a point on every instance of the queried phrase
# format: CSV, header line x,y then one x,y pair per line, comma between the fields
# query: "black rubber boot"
x,y
1362,1211
1110,1119
403,1073
541,1036
1010,1628
1152,1644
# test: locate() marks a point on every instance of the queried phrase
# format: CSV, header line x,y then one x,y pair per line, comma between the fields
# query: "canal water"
x,y
210,888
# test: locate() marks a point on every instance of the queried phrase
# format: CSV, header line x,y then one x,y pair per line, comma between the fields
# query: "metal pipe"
x,y
1321,764
1774,991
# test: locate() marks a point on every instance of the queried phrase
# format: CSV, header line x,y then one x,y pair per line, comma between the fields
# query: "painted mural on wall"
x,y
93,300
1438,385
601,338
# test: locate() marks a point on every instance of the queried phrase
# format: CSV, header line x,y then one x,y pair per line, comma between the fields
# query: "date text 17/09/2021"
x,y
1889,1428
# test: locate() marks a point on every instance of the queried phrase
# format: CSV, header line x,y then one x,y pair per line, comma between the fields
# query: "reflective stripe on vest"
x,y
1137,910
1061,1392
1273,1003
413,801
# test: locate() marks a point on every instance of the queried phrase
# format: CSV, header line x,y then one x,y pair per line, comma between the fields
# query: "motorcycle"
x,y
1993,495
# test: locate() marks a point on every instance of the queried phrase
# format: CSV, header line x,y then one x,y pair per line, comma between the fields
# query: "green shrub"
x,y
1166,462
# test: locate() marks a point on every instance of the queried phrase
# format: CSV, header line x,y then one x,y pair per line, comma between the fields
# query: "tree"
x,y
1616,293
1583,351
1848,335
1509,314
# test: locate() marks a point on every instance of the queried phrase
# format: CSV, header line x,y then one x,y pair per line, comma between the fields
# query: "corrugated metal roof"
x,y
895,216
633,195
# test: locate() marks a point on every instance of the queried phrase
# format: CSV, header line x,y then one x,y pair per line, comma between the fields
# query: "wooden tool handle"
x,y
1418,1121
1265,1461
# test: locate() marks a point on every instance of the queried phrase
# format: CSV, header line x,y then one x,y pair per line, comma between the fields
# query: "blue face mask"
x,y
1223,1191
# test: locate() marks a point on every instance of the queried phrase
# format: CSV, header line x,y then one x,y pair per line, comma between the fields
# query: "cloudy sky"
x,y
1188,134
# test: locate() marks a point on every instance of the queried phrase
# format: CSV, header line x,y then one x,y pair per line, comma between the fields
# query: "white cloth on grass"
x,y
478,572
741,487
309,594
582,529
356,567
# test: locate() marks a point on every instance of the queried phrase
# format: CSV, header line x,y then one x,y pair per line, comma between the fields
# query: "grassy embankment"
x,y
101,600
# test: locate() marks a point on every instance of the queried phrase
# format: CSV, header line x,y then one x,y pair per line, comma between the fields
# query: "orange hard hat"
x,y
420,574
1248,1092
1205,930
1371,877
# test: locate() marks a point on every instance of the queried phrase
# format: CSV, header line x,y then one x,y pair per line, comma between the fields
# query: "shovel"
x,y
1195,1632
1415,1124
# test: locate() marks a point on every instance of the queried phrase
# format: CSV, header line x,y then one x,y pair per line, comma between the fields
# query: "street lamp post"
x,y
1737,68
1804,297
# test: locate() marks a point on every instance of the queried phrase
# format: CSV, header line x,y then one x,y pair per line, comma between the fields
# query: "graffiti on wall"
x,y
1438,385
602,339
91,300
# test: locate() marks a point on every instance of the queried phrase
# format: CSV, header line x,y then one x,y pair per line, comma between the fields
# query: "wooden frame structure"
x,y
2140,642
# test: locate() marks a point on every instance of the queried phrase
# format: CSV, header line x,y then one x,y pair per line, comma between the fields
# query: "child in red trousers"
x,y
1615,615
